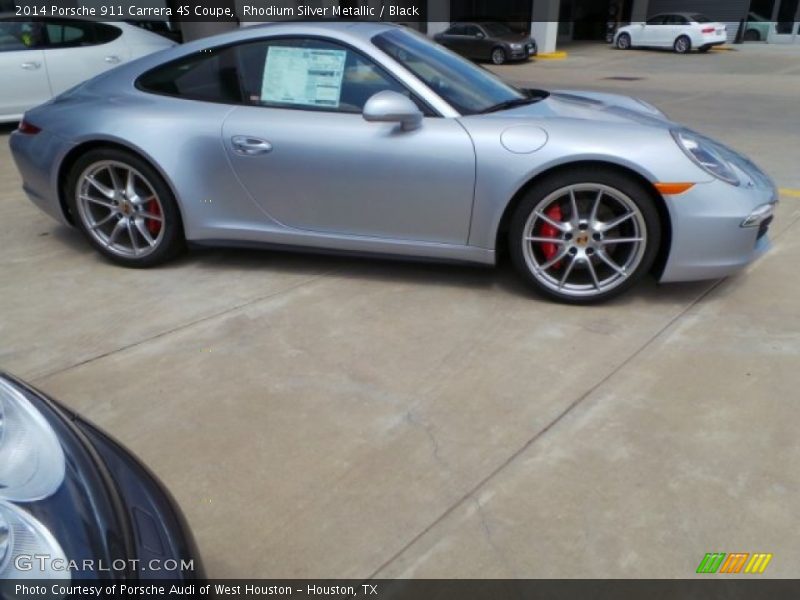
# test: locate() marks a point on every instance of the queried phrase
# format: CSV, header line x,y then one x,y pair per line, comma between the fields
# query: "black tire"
x,y
168,243
752,35
624,41
682,45
498,56
537,197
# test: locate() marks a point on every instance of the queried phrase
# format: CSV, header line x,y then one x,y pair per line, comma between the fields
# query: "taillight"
x,y
708,30
28,128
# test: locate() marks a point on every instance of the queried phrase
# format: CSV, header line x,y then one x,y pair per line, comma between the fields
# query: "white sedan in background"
x,y
680,31
40,58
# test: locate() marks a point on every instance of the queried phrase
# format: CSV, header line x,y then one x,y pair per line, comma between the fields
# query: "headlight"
x,y
31,458
27,549
703,153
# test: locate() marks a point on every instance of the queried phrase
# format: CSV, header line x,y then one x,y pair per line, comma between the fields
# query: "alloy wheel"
x,y
584,240
498,56
120,209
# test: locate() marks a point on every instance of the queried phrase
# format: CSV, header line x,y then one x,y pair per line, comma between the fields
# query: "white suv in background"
x,y
679,31
40,57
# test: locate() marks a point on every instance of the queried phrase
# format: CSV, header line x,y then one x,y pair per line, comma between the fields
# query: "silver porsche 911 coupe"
x,y
369,138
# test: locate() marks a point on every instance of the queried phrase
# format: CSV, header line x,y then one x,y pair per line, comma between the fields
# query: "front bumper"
x,y
526,51
112,517
717,229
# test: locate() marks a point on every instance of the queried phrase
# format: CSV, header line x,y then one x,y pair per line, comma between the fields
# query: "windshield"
x,y
497,29
466,87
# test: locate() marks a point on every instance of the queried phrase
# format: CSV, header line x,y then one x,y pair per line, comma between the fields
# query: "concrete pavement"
x,y
330,417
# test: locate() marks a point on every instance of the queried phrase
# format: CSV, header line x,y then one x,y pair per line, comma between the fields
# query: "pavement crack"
x,y
473,491
414,421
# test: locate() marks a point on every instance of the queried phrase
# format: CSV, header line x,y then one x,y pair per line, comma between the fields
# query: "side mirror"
x,y
391,107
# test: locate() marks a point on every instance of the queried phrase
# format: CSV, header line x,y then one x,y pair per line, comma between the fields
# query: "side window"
x,y
456,30
472,31
310,74
677,20
285,73
211,76
103,34
20,35
69,34
657,20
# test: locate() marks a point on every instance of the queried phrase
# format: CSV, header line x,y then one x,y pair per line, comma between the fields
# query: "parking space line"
x,y
789,192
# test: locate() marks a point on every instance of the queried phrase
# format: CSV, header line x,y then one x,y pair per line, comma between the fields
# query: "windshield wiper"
x,y
509,104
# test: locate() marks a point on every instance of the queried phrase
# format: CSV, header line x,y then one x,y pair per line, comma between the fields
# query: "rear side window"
x,y
211,76
657,20
103,34
69,34
677,20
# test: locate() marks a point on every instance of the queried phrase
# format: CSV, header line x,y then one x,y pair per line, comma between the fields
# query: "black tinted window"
x,y
456,30
103,34
677,20
210,76
20,35
700,19
472,30
657,20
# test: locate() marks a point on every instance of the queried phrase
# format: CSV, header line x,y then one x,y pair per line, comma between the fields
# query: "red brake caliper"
x,y
153,226
548,231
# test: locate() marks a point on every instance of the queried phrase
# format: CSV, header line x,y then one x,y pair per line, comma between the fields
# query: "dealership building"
x,y
551,22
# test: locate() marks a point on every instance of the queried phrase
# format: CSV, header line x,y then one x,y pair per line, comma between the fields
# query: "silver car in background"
x,y
369,138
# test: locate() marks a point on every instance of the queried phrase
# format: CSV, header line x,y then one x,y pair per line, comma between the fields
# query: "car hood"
x,y
512,38
592,106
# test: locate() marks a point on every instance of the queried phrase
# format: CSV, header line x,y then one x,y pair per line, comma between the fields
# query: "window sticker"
x,y
304,76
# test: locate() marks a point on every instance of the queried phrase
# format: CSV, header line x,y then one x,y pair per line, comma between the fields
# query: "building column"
x,y
544,24
639,11
438,16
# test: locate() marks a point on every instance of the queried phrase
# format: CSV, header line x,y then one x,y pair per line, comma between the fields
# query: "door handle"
x,y
31,66
113,59
250,146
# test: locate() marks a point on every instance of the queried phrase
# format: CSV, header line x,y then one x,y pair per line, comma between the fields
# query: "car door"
x,y
476,44
303,151
23,67
79,50
455,38
674,27
652,32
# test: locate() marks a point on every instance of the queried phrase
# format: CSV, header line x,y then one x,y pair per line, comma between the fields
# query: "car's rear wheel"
x,y
498,56
624,41
682,45
581,237
124,208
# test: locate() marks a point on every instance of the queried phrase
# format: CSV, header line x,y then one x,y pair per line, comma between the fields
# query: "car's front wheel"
x,y
624,41
582,237
498,56
682,45
124,208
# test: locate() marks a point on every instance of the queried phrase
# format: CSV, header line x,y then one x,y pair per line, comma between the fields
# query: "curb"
x,y
723,49
789,192
559,55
